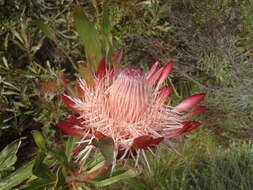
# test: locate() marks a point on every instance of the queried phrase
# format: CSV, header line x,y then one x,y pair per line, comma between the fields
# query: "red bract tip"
x,y
145,141
101,69
70,103
165,73
189,102
194,112
142,142
75,121
99,135
190,125
187,126
165,92
69,129
156,141
153,69
81,91
155,76
77,149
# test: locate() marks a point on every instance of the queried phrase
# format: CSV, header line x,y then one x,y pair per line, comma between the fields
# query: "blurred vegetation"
x,y
211,42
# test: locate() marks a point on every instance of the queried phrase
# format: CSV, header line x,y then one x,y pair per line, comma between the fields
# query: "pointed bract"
x,y
142,142
190,125
194,112
153,79
69,129
70,103
81,91
165,73
165,92
153,69
101,71
189,102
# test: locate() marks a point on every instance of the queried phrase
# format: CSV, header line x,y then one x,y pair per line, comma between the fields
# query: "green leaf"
x,y
39,184
17,177
60,178
45,29
96,167
60,156
41,170
106,26
106,31
8,155
98,159
89,36
128,174
69,147
106,146
39,140
6,41
17,35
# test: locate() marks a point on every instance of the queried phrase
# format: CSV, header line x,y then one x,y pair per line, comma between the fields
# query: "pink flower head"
x,y
128,106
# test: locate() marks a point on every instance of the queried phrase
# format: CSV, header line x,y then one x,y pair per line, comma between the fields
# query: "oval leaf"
x,y
17,177
41,170
39,140
8,155
89,36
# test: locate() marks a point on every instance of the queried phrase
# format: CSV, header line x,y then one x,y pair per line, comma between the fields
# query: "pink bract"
x,y
129,106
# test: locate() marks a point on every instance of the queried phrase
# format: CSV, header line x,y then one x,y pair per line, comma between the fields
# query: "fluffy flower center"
x,y
128,96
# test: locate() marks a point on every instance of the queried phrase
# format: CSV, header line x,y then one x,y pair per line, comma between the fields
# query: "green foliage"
x,y
50,160
8,157
17,177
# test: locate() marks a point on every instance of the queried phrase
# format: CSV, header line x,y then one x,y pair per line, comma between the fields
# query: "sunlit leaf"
x,y
39,140
94,163
8,155
96,167
128,174
17,177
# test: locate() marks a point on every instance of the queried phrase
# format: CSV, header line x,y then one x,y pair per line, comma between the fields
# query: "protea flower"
x,y
130,107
